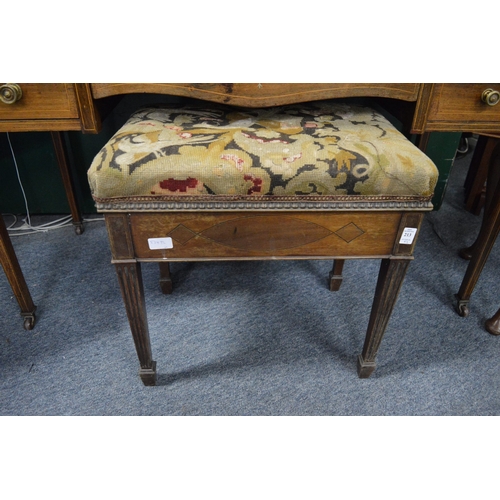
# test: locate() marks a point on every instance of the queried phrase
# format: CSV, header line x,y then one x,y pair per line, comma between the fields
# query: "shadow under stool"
x,y
322,180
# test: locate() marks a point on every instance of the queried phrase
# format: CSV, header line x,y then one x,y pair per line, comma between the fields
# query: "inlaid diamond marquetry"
x,y
181,234
269,233
350,232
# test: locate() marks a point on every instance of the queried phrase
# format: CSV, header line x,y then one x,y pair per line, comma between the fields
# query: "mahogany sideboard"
x,y
57,107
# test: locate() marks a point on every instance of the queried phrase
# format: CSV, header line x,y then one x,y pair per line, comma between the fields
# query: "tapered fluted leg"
x,y
335,278
130,279
390,278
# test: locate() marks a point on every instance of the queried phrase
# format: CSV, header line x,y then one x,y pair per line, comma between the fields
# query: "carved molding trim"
x,y
289,203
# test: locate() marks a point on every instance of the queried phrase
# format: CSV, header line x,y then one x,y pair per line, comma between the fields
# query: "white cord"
x,y
42,228
27,227
19,179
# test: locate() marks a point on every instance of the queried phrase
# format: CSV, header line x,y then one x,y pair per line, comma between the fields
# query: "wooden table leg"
x,y
15,277
390,279
165,278
493,324
130,279
477,174
68,182
335,277
488,233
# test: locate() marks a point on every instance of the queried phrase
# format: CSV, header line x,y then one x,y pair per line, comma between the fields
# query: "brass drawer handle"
x,y
490,97
10,93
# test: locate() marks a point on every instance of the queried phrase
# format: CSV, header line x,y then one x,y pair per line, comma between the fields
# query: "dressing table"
x,y
422,108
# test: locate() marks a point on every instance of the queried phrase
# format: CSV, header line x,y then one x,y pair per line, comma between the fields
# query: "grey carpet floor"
x,y
251,338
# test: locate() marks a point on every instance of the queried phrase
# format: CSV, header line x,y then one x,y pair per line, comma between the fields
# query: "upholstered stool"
x,y
322,180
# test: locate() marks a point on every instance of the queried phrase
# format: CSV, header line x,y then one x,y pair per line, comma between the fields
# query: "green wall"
x,y
441,148
39,172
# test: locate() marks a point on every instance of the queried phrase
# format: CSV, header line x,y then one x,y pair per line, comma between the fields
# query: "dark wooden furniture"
x,y
490,227
54,107
15,276
211,236
475,182
423,107
43,107
492,324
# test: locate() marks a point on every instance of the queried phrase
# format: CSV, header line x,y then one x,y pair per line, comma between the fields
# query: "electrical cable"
x,y
27,227
19,179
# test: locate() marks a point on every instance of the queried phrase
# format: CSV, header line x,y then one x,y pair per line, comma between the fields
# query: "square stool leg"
x,y
129,275
165,278
335,276
390,279
130,279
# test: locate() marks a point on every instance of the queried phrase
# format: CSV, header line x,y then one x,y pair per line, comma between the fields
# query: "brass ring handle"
x,y
10,93
490,97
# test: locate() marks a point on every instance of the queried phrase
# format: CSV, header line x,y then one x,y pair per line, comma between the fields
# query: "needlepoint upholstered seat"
x,y
319,180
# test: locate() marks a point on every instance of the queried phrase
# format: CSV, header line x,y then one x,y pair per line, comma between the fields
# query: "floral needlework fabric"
x,y
325,148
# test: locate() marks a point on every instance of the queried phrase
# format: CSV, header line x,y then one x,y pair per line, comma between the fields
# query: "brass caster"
x,y
29,322
462,307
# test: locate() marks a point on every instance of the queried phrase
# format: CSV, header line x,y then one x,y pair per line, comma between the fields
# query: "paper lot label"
x,y
160,243
408,235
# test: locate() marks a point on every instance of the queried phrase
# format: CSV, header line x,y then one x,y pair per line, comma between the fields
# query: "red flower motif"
x,y
256,181
179,185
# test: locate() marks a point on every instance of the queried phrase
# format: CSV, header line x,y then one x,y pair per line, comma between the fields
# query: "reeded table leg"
x,y
15,277
130,279
488,234
390,278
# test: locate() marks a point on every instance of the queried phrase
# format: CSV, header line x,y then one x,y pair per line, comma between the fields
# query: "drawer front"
x,y
42,101
211,236
456,106
263,94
